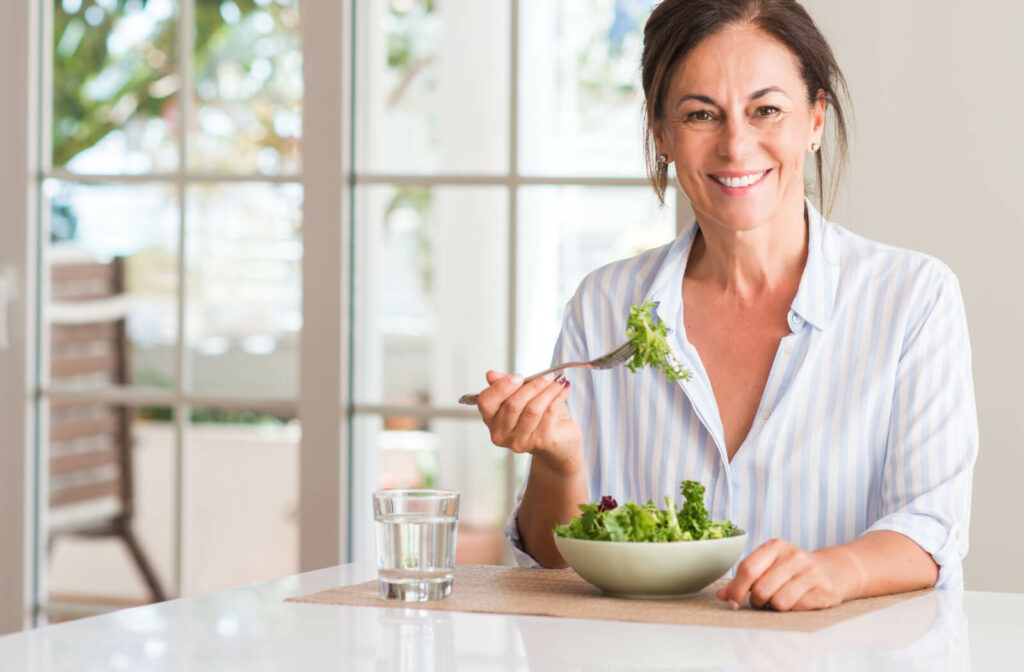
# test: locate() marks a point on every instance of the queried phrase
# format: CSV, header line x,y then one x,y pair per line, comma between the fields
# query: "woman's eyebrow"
x,y
765,91
711,101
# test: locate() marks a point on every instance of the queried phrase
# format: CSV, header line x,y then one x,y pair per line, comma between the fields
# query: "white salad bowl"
x,y
652,569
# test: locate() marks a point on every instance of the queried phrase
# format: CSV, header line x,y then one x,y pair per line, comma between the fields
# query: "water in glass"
x,y
416,532
416,556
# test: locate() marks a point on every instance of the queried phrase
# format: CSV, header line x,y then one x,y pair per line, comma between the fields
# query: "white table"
x,y
251,628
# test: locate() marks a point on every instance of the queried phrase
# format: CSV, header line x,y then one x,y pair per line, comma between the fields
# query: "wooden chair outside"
x,y
91,492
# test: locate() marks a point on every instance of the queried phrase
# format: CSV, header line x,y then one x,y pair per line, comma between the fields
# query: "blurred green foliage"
x,y
100,83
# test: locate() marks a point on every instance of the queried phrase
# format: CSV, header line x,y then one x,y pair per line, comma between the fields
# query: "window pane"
x,y
244,303
432,85
248,87
243,481
92,482
442,453
432,292
566,232
115,81
580,94
113,280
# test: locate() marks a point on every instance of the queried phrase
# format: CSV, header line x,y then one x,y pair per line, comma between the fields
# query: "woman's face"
x,y
738,126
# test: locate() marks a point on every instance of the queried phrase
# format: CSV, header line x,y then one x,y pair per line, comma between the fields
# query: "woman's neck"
x,y
749,263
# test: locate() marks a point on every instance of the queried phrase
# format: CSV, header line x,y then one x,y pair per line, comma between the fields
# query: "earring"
x,y
814,147
661,176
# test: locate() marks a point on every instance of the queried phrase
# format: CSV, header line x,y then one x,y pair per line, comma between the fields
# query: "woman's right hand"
x,y
533,418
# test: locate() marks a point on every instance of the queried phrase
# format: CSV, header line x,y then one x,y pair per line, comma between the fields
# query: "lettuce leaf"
x,y
650,347
605,521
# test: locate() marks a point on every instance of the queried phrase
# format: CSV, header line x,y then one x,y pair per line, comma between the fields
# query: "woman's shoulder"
x,y
862,256
877,278
624,281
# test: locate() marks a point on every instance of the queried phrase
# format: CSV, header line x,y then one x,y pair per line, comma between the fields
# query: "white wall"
x,y
938,166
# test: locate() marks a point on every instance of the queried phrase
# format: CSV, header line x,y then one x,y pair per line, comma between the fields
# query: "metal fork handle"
x,y
470,399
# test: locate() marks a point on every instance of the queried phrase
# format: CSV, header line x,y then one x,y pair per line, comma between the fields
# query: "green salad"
x,y
650,348
608,521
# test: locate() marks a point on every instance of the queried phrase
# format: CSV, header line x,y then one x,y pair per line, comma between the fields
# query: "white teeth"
x,y
744,181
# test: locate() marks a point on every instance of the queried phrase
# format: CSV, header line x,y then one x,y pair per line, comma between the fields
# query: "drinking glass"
x,y
416,532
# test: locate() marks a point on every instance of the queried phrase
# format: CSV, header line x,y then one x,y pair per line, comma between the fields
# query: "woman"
x,y
831,410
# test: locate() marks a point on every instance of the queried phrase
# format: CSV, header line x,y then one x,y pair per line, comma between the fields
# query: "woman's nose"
x,y
734,139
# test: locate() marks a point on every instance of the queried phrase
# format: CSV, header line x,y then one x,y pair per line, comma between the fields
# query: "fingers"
x,y
794,593
506,416
500,386
749,571
557,412
513,410
782,576
765,590
536,411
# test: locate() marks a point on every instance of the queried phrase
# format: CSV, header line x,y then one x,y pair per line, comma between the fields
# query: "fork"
x,y
619,355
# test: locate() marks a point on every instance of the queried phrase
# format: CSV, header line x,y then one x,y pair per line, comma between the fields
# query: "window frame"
x,y
19,155
322,339
329,464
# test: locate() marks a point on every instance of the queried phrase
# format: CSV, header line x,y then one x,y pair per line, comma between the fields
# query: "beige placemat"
x,y
561,592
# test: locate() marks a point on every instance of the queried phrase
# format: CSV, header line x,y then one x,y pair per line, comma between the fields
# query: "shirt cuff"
x,y
946,545
511,531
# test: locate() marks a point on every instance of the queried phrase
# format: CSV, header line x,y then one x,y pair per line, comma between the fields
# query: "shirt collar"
x,y
815,295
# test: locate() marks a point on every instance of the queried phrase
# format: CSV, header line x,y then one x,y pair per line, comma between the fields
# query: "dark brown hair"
x,y
675,27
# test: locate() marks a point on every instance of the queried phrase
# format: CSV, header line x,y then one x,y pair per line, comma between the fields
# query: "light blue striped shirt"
x,y
867,421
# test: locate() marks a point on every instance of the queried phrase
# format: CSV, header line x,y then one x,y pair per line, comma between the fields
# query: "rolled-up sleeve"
x,y
932,442
511,530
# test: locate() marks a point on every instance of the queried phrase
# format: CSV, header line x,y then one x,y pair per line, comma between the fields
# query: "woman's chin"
x,y
735,216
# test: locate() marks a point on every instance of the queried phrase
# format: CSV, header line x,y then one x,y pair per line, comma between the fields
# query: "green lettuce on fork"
x,y
650,347
608,521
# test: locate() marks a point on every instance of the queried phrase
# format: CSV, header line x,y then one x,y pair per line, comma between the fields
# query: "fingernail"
x,y
561,380
734,605
516,379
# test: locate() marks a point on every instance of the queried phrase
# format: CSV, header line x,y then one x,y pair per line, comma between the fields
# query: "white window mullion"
x,y
421,412
39,296
513,215
510,180
181,384
163,178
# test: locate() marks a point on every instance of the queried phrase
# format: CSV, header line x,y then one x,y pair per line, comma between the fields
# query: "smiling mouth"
x,y
740,182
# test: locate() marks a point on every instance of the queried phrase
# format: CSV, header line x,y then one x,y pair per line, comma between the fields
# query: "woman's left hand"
x,y
784,577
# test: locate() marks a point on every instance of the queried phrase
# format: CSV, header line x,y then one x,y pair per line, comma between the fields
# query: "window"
x,y
472,162
498,159
172,297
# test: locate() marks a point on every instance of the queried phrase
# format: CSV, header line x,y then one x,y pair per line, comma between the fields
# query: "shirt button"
x,y
796,320
765,416
788,351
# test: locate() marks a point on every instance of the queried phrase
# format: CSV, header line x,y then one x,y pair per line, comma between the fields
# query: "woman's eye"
x,y
767,111
699,115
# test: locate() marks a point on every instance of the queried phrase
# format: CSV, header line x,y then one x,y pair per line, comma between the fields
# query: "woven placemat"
x,y
561,592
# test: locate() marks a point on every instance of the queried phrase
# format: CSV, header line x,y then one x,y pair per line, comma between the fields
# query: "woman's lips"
x,y
736,183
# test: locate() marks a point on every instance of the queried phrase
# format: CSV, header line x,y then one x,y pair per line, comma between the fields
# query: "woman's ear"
x,y
662,143
818,117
